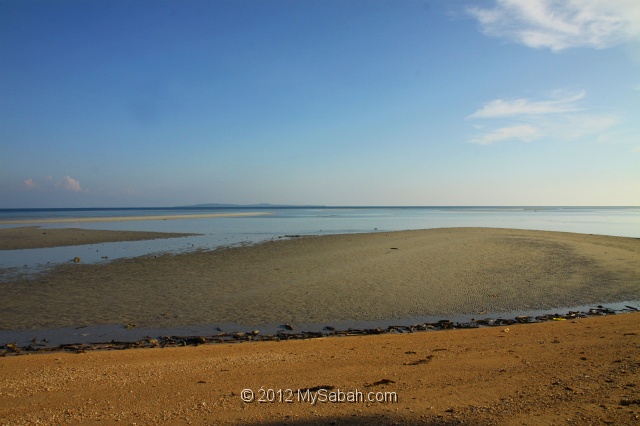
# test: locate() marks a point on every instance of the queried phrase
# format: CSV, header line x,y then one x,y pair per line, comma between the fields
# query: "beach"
x,y
576,371
324,279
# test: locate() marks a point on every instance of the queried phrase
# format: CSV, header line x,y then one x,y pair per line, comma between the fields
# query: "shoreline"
x,y
128,218
119,337
582,371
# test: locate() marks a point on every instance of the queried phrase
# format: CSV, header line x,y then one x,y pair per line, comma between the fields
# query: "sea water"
x,y
284,222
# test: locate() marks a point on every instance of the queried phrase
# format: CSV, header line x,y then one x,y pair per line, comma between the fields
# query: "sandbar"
x,y
30,237
127,218
324,279
585,371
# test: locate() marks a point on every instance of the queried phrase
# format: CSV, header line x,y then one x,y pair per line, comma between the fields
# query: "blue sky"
x,y
333,102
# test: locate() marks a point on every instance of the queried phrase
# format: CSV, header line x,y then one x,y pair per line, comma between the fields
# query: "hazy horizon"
x,y
323,102
320,206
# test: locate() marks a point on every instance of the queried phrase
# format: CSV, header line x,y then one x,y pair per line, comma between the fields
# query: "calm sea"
x,y
287,221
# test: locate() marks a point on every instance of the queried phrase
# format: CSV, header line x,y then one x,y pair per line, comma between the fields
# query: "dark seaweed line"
x,y
11,349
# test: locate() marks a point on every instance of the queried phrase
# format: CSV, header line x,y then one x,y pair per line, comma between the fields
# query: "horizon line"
x,y
267,205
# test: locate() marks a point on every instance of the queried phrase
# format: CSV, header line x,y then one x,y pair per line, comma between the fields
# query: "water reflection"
x,y
231,231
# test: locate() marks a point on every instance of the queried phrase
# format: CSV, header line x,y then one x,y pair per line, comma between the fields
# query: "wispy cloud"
x,y
522,132
527,120
562,24
505,108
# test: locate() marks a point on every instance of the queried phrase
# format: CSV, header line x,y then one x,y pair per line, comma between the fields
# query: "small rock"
x,y
12,347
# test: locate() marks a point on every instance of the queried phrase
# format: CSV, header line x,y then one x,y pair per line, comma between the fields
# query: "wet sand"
x,y
578,372
127,218
583,371
356,277
30,237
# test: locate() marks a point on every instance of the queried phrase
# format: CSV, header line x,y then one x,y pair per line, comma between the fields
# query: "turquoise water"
x,y
281,222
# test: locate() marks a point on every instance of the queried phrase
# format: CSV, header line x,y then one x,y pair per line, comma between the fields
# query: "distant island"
x,y
259,205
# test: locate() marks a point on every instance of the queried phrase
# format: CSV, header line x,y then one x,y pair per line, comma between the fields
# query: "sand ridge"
x,y
365,277
128,218
30,237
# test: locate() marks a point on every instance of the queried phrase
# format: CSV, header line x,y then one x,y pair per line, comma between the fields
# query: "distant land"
x,y
260,205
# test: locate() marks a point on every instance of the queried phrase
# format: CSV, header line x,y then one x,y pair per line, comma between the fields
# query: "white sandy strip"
x,y
128,218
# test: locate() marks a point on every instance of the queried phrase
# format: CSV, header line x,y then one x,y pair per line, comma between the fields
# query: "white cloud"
x,y
524,132
557,118
563,24
562,128
70,184
505,108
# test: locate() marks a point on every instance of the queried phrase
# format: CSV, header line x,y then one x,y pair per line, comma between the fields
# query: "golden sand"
x,y
578,372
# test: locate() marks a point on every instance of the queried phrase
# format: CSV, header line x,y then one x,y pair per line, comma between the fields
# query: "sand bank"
x,y
357,277
127,218
30,237
571,372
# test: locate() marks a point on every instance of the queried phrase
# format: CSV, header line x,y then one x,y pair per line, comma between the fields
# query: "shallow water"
x,y
229,231
119,333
